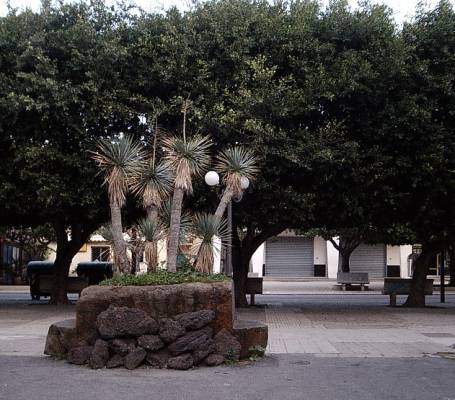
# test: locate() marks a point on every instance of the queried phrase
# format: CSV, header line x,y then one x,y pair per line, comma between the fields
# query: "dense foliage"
x,y
351,117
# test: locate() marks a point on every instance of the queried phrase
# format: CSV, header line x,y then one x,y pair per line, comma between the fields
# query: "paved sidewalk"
x,y
354,326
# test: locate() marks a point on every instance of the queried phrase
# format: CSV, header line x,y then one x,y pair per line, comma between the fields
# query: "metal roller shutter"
x,y
289,257
371,259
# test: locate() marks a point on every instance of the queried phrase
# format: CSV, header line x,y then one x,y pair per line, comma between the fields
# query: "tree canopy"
x,y
350,116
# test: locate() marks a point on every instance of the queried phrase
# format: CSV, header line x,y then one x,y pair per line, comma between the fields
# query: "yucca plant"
x,y
188,157
152,232
118,161
234,164
152,182
205,228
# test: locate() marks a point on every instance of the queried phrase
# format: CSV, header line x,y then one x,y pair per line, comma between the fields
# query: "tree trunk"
x,y
416,297
134,258
240,264
225,199
151,256
345,248
121,257
152,213
343,264
452,264
174,229
66,250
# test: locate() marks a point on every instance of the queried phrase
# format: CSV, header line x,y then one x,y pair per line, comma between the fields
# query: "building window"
x,y
101,253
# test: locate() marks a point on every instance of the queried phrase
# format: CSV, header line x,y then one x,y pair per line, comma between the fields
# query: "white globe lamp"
x,y
212,178
244,182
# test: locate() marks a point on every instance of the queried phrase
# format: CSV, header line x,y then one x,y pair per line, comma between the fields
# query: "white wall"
x,y
393,255
332,259
217,255
319,250
258,259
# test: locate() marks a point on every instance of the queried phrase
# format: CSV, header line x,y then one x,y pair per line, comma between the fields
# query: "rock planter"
x,y
175,326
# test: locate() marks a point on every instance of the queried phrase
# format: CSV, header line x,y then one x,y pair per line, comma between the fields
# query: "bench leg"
x,y
393,299
252,300
362,287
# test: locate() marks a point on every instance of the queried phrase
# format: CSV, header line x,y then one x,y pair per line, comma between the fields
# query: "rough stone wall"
x,y
157,301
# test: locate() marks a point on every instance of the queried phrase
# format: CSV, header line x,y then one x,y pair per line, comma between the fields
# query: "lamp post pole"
x,y
442,273
228,268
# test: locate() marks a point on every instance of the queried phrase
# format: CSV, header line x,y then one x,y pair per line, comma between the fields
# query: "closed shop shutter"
x,y
371,259
290,257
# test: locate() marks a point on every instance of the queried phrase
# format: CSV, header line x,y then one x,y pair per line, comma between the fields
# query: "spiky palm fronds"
x,y
205,227
235,163
118,160
187,158
151,231
152,182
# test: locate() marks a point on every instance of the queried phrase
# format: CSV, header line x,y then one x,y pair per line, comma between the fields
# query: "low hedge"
x,y
163,278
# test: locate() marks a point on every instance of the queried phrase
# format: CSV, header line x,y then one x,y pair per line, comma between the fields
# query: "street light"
x,y
212,178
244,182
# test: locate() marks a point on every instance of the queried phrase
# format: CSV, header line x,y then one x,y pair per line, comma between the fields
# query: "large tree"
x,y
62,86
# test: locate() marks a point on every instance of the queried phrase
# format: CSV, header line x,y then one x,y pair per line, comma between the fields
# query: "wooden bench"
x,y
346,279
254,285
75,285
394,286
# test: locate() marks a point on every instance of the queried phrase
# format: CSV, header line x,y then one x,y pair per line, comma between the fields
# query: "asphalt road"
x,y
277,377
284,377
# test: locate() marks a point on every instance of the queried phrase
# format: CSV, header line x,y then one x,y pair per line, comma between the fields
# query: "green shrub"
x,y
163,278
256,352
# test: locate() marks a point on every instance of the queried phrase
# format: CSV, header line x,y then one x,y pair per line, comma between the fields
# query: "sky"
x,y
403,9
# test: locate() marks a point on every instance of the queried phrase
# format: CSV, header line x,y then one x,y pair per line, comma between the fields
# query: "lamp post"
x,y
213,179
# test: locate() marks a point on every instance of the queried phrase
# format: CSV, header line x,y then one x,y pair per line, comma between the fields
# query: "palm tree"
x,y
152,232
188,158
118,160
235,164
205,227
153,183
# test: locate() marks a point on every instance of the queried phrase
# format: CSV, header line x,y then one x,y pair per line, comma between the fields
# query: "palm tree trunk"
x,y
152,213
151,253
174,229
121,256
225,199
151,256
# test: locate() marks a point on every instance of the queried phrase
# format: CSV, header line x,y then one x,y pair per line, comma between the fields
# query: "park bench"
x,y
348,279
41,277
394,286
254,286
75,285
94,271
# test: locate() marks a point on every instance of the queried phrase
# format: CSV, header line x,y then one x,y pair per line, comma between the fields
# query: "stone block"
x,y
250,334
124,321
61,337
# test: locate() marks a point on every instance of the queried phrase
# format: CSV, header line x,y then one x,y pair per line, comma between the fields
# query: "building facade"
x,y
292,256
